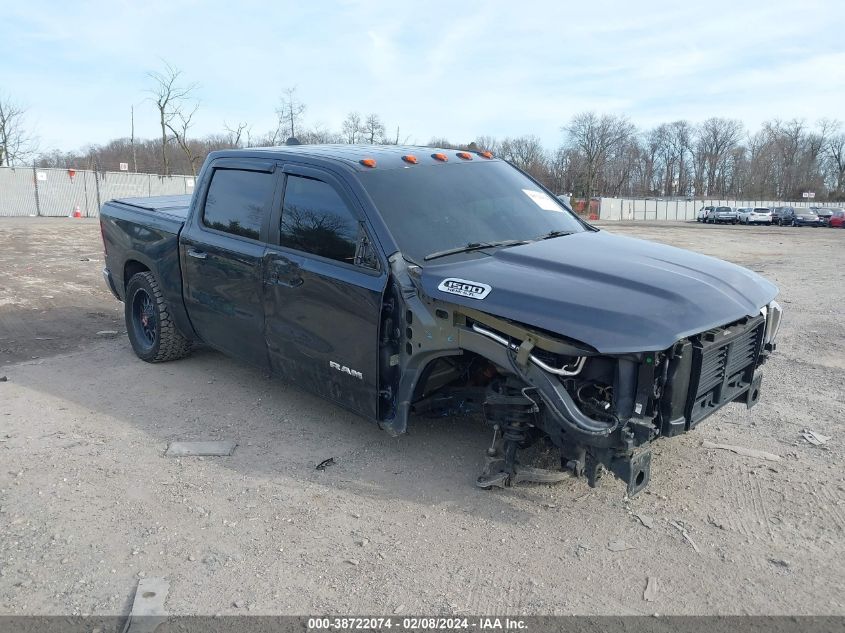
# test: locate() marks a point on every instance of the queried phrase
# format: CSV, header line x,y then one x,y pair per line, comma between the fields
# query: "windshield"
x,y
435,208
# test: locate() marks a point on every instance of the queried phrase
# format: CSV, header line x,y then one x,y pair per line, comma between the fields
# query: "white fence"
x,y
672,210
25,191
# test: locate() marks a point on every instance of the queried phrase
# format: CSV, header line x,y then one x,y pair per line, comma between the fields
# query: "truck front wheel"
x,y
149,324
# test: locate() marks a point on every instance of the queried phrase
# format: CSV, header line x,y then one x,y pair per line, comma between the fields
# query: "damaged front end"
x,y
601,411
604,411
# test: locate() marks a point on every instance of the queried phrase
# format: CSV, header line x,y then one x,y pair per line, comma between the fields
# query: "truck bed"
x,y
175,206
143,234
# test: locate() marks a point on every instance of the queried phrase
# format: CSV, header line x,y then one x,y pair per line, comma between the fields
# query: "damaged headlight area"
x,y
772,313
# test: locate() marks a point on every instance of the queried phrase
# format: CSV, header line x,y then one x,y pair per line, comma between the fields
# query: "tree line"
x,y
600,154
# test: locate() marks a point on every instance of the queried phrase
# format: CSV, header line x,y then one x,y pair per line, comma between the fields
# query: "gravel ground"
x,y
89,503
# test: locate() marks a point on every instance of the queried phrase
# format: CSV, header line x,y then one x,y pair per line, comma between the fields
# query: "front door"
x,y
222,254
323,292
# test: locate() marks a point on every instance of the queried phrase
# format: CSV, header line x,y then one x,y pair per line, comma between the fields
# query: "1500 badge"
x,y
465,288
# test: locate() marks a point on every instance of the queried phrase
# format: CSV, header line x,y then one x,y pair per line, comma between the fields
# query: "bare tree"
x,y
290,112
373,128
488,144
319,134
179,124
525,152
440,141
560,170
236,133
598,137
16,143
835,153
681,142
168,94
716,140
352,127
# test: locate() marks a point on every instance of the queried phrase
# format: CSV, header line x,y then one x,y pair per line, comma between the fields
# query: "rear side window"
x,y
238,201
316,220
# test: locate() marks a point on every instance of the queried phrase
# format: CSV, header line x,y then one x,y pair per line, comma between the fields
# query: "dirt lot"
x,y
89,504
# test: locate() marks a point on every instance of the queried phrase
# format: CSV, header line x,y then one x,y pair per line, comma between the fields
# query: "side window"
x,y
238,201
316,220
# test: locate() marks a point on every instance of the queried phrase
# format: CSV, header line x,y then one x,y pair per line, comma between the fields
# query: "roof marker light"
x,y
486,154
465,155
441,157
410,158
368,162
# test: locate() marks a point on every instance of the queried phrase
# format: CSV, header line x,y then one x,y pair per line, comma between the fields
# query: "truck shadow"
x,y
283,432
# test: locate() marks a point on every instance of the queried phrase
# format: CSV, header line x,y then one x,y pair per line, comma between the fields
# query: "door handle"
x,y
283,272
290,282
197,254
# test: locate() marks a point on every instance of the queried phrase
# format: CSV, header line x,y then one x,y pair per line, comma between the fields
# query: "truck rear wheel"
x,y
149,324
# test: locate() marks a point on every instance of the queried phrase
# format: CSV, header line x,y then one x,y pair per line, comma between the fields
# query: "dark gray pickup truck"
x,y
407,280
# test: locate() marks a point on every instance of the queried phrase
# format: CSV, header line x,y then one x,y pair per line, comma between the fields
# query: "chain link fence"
x,y
27,191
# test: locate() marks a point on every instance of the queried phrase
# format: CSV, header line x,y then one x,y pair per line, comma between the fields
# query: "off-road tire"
x,y
167,342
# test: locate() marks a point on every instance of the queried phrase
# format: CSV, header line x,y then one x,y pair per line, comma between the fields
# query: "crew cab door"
x,y
222,256
323,287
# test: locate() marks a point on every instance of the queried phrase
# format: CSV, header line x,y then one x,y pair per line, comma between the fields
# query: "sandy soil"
x,y
89,503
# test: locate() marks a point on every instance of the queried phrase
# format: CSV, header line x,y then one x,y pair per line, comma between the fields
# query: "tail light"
x,y
103,236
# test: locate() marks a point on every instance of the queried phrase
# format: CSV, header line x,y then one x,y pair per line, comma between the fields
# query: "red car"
x,y
837,220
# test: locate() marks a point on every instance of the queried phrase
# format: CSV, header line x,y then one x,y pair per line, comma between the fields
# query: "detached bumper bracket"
x,y
634,470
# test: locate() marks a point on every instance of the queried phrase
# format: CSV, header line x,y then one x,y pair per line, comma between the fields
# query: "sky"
x,y
449,69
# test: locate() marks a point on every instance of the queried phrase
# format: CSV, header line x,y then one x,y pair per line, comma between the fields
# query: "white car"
x,y
703,213
755,215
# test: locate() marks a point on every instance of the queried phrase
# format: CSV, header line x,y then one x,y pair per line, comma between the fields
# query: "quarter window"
x,y
316,220
238,201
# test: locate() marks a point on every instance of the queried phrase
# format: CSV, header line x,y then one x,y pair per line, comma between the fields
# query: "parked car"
x,y
824,214
837,219
755,215
798,217
397,280
777,212
722,215
703,212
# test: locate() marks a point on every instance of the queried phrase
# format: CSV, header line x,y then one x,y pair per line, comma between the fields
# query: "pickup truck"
x,y
400,281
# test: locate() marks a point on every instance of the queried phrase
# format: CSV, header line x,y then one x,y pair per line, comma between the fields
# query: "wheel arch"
x,y
169,279
131,268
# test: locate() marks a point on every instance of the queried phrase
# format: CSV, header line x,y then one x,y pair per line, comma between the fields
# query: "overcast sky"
x,y
446,69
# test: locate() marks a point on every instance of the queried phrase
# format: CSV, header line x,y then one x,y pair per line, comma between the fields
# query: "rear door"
x,y
323,291
222,256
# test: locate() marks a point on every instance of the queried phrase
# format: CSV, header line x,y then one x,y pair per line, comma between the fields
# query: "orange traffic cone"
x,y
76,213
